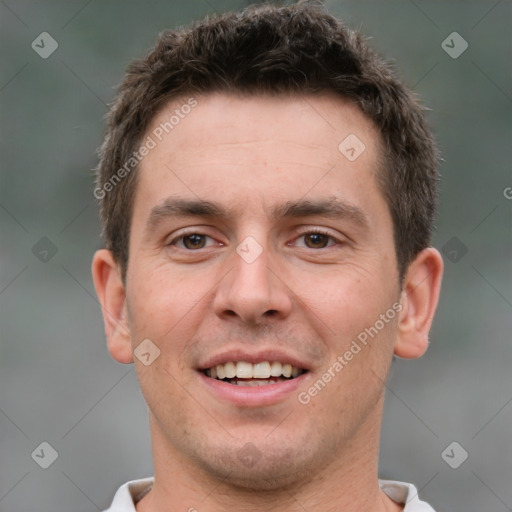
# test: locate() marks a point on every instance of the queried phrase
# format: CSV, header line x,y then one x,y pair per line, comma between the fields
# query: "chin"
x,y
259,470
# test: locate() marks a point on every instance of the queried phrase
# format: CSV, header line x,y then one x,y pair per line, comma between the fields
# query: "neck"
x,y
348,482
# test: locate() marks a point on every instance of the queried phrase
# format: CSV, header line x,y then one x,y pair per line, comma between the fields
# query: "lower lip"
x,y
253,396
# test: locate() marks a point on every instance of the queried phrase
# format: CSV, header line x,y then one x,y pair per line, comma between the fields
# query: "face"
x,y
256,240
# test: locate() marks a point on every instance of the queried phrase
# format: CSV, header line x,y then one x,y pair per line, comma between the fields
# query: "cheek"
x,y
346,303
168,402
165,308
347,310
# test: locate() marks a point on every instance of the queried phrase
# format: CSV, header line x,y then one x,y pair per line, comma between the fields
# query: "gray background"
x,y
57,381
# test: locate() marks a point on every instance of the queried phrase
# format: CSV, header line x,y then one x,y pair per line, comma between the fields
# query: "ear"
x,y
420,294
111,293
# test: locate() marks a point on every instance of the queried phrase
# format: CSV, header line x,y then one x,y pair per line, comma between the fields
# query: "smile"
x,y
243,373
262,383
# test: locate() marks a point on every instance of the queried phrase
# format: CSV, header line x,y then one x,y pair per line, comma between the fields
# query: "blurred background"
x,y
60,64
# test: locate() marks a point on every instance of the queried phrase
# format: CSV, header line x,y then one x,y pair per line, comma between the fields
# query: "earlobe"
x,y
420,295
112,297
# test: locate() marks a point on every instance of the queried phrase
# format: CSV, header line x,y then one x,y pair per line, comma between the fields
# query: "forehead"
x,y
222,117
265,147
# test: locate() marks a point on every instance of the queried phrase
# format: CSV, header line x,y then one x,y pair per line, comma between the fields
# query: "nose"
x,y
252,291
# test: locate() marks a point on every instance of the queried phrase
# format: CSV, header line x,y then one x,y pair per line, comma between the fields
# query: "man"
x,y
267,189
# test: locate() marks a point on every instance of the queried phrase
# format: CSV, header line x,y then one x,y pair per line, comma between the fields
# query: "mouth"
x,y
243,373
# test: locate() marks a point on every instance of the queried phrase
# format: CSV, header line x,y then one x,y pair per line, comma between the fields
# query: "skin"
x,y
251,155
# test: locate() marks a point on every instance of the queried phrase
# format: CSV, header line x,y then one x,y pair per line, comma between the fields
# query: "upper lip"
x,y
259,356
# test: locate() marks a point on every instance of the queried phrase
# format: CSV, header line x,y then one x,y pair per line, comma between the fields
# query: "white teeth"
x,y
230,370
276,368
249,383
254,383
261,370
245,370
221,374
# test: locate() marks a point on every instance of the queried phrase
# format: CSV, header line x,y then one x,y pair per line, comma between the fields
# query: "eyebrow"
x,y
179,207
334,208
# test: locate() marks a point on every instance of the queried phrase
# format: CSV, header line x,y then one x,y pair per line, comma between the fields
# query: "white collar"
x,y
401,492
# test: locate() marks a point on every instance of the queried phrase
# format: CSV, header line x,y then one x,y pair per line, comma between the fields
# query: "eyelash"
x,y
320,232
184,235
174,241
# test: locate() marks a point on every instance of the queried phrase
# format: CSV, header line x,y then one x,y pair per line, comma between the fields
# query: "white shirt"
x,y
400,492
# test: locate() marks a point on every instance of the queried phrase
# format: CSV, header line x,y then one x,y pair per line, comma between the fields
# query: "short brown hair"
x,y
277,50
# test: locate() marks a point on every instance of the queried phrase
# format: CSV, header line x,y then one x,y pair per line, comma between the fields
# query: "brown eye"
x,y
194,241
316,240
